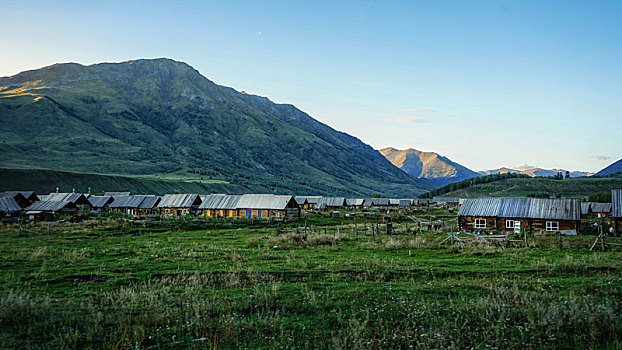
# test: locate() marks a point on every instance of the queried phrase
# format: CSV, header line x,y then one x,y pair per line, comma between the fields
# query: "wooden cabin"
x,y
539,215
80,200
308,202
46,210
251,206
149,205
9,207
23,198
179,204
329,203
100,203
616,211
446,202
421,202
355,202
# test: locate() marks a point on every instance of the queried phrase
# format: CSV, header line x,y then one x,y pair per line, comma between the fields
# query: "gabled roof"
x,y
149,202
220,201
76,198
126,201
264,201
595,207
115,194
354,201
332,201
445,200
528,208
186,200
405,202
309,199
301,200
50,206
616,203
100,201
9,205
29,195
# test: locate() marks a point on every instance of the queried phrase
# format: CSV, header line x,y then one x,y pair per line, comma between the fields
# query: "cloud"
x,y
259,33
602,157
409,119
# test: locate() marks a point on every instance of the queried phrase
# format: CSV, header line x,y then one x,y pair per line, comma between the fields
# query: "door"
x,y
259,214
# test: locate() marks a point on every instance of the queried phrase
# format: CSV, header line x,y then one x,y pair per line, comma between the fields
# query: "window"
x,y
552,226
167,211
509,224
480,223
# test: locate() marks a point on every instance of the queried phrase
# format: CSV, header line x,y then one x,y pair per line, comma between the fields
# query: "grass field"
x,y
107,284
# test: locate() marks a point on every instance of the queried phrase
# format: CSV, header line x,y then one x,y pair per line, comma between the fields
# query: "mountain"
x,y
162,118
428,165
611,169
534,171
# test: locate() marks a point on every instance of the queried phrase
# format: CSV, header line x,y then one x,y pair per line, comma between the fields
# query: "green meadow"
x,y
111,283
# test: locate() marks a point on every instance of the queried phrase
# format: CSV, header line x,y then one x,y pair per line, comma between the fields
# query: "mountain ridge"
x,y
615,167
429,165
162,117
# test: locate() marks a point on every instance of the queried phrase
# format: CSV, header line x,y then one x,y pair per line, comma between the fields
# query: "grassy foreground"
x,y
102,285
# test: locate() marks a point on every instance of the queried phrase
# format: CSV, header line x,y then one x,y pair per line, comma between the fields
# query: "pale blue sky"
x,y
485,83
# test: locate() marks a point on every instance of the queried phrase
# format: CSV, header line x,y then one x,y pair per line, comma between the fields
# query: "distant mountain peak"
x,y
429,165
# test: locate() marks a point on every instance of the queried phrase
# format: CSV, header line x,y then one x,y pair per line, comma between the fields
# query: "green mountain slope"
x,y
163,118
428,165
522,187
46,181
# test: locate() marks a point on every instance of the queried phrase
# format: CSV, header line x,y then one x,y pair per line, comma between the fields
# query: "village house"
x,y
616,211
539,215
331,203
80,200
179,204
308,202
100,203
9,207
47,209
23,198
595,210
448,202
149,205
355,202
251,206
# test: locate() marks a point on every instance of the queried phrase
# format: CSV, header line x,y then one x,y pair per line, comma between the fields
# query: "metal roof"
x,y
179,200
264,201
354,201
100,201
380,201
585,208
445,200
49,205
68,197
115,194
528,208
220,201
394,201
30,195
616,203
405,203
127,202
332,201
310,199
149,202
595,207
9,205
301,200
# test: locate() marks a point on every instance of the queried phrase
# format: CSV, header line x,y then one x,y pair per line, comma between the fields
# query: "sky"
x,y
484,83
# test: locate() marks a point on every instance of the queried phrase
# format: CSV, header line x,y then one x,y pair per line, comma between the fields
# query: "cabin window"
x,y
509,224
480,223
167,211
552,226
185,211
